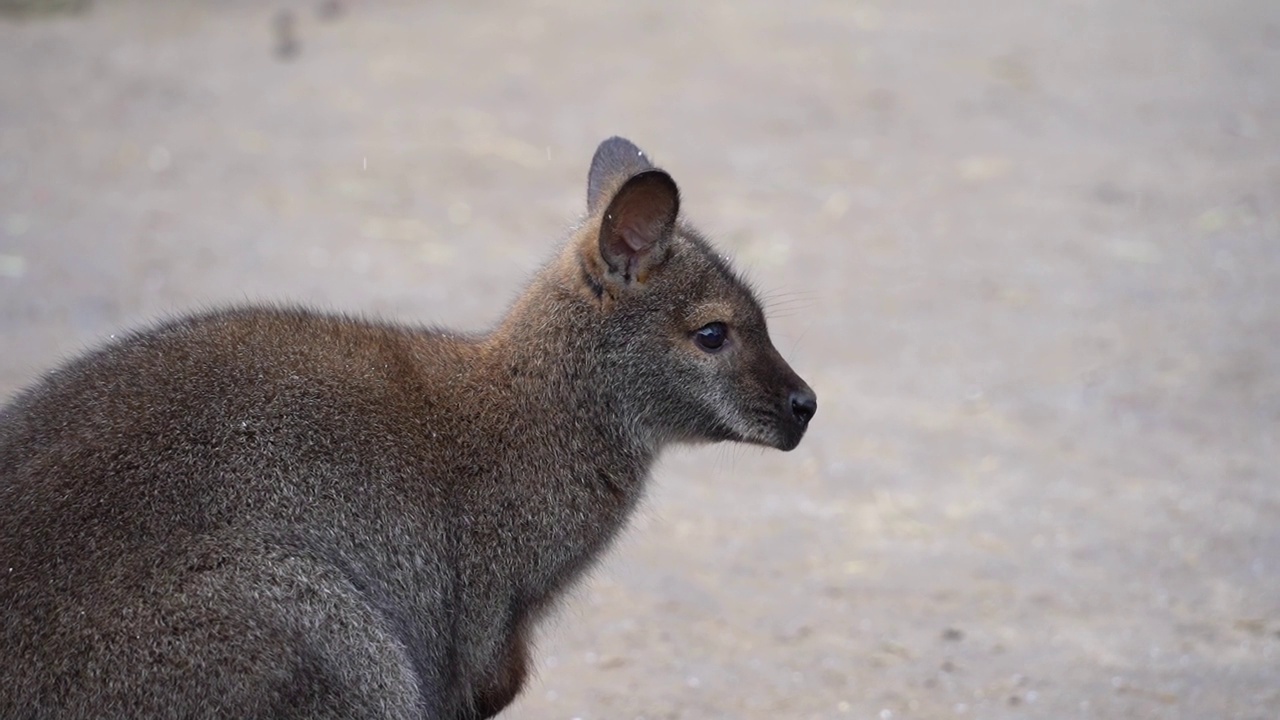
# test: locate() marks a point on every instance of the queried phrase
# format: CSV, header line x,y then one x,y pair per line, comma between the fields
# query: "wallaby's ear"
x,y
615,160
637,223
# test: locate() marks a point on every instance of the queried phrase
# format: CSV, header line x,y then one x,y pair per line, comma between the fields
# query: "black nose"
x,y
804,404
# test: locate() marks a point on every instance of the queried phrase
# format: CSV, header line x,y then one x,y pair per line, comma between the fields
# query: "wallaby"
x,y
270,512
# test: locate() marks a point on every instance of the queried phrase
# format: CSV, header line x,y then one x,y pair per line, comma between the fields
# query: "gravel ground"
x,y
1028,254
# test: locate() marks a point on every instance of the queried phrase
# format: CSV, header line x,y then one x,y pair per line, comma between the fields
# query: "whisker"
x,y
803,331
786,293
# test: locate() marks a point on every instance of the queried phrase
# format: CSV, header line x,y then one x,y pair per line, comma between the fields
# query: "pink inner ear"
x,y
638,236
641,213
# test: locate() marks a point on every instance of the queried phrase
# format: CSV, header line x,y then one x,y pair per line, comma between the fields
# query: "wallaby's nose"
x,y
804,404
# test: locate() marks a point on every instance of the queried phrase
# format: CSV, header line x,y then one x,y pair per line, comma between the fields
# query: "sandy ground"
x,y
1027,253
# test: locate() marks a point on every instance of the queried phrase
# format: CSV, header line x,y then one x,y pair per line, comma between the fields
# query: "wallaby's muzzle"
x,y
804,404
794,402
801,406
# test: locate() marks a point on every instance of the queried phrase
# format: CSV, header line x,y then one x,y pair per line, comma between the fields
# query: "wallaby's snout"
x,y
804,405
797,404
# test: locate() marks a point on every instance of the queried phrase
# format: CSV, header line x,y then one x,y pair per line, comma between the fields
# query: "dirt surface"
x,y
1027,253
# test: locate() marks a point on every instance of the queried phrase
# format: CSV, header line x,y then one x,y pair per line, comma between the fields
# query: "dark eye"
x,y
711,337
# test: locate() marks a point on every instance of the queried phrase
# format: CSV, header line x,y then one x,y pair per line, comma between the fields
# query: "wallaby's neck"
x,y
548,360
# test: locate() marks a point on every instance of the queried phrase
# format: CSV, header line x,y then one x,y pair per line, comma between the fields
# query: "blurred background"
x,y
1028,254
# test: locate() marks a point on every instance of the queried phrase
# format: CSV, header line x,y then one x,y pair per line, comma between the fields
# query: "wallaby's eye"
x,y
711,336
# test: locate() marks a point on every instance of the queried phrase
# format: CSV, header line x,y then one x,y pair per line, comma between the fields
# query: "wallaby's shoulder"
x,y
242,331
268,337
242,357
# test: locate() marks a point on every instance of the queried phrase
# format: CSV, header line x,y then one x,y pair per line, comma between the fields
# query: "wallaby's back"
x,y
269,512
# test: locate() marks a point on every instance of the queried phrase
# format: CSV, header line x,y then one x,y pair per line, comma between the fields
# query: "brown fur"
x,y
271,512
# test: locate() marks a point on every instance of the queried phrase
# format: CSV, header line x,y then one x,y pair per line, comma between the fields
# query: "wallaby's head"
x,y
683,339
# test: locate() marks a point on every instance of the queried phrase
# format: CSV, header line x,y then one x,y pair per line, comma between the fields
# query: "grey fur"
x,y
272,512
